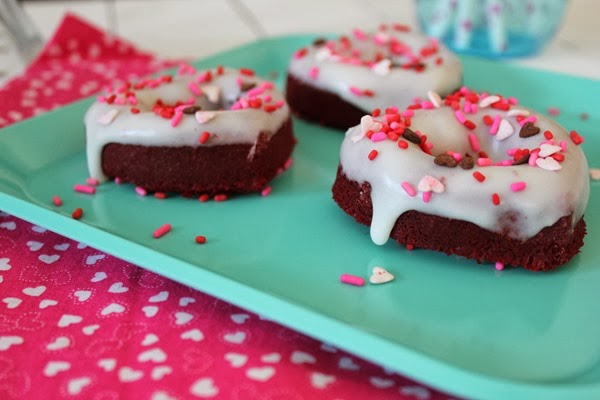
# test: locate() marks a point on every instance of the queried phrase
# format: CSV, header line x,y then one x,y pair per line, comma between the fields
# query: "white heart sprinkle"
x,y
112,308
382,68
428,183
236,337
380,275
4,264
239,318
117,288
108,117
7,341
548,149
182,318
127,374
517,112
162,296
236,360
348,364
548,163
212,92
34,246
271,358
155,355
300,357
82,295
107,364
321,381
160,371
89,330
149,339
48,259
99,276
60,342
195,335
34,291
504,130
12,302
261,374
204,116
54,367
68,319
150,311
435,98
322,54
184,301
204,387
485,102
75,386
47,303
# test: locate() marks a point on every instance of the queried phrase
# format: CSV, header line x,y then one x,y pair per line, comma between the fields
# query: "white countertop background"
x,y
198,28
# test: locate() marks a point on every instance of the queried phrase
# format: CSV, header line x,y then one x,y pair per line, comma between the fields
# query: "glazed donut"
x,y
216,131
335,82
474,175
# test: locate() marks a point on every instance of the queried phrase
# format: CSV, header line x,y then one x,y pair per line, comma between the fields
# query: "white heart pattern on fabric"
x,y
112,308
4,264
54,367
155,355
38,229
321,381
61,342
81,245
150,311
184,301
12,302
381,383
48,259
34,246
149,339
107,364
204,387
271,358
348,364
239,318
380,275
117,288
127,374
90,329
68,319
157,298
419,392
235,337
182,318
261,374
82,295
300,357
62,247
10,225
161,395
34,291
7,341
47,303
99,276
195,334
160,371
93,259
236,360
75,386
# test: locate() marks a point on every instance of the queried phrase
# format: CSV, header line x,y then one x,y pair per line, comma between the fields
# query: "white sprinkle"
x,y
548,149
380,275
322,54
429,183
108,117
548,163
504,130
488,101
382,68
212,92
516,112
435,99
204,116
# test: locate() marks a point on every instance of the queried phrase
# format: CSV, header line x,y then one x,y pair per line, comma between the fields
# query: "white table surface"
x,y
197,28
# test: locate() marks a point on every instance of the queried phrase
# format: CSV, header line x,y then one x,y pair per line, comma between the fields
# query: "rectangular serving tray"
x,y
451,323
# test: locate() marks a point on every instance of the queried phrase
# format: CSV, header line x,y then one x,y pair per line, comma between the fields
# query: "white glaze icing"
x,y
109,122
333,67
548,195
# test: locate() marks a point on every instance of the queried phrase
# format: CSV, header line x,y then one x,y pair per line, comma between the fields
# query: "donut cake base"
x,y
200,170
551,247
314,104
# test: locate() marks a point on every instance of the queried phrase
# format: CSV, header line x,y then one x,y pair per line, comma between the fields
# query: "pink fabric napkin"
x,y
78,322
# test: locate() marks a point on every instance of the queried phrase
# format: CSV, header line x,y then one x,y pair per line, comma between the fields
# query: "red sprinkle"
x,y
220,70
204,137
373,154
479,176
270,107
135,110
488,120
496,199
78,213
548,135
163,230
376,112
57,201
200,239
246,71
560,157
203,198
403,144
160,195
576,138
470,124
220,197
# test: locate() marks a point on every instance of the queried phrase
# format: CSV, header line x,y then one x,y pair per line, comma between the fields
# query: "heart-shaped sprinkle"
x,y
528,130
505,130
548,163
430,184
380,275
382,68
212,92
548,149
204,116
435,99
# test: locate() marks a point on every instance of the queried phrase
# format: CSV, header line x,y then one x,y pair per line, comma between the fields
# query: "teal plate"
x,y
459,326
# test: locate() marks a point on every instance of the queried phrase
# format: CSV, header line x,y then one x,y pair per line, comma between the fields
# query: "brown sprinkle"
x,y
528,130
319,42
467,162
445,160
245,86
411,136
524,159
191,109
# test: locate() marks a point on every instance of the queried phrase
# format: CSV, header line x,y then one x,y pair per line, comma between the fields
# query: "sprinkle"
x,y
108,117
445,160
204,136
403,144
380,275
314,72
204,116
435,99
528,130
504,130
134,110
495,124
266,191
176,118
470,124
474,142
77,213
411,136
409,189
533,156
460,116
220,197
496,199
57,201
84,189
430,184
576,138
479,176
200,239
373,154
300,53
518,186
517,112
118,180
163,230
92,181
141,191
548,163
548,149
382,68
194,89
378,136
488,120
532,119
499,266
246,71
484,162
488,101
160,195
352,280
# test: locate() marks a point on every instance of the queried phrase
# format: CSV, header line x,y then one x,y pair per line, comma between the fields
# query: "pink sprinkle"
x,y
132,100
474,108
118,180
513,101
456,156
352,280
409,189
378,136
460,116
511,152
176,118
92,181
163,230
427,105
474,142
141,191
495,125
467,106
499,266
518,186
426,196
484,162
464,90
360,35
533,157
356,91
408,113
256,91
506,163
120,101
288,163
314,72
84,189
267,98
531,118
563,145
279,103
194,89
554,111
101,99
57,201
266,191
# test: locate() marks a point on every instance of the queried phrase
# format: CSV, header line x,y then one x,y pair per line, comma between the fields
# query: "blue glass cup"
x,y
492,28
